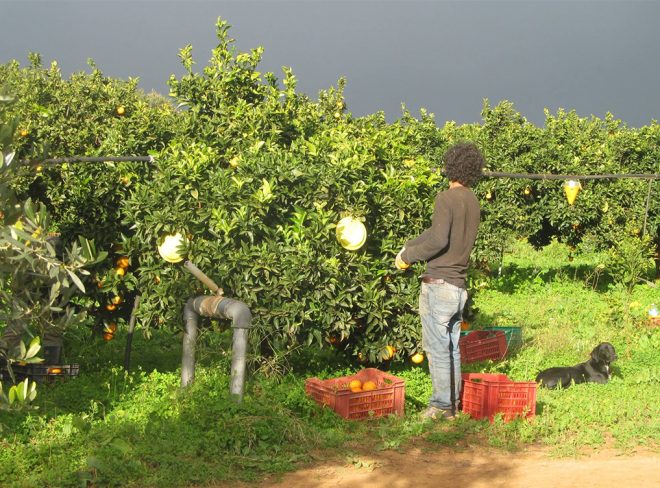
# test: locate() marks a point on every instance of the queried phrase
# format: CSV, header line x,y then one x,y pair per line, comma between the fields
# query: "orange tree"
x,y
88,114
258,180
38,276
260,175
257,175
605,209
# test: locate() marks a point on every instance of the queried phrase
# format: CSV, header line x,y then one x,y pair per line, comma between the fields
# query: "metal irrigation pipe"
x,y
218,307
86,159
536,176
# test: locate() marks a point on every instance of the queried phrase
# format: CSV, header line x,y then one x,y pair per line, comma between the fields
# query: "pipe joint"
x,y
208,306
237,311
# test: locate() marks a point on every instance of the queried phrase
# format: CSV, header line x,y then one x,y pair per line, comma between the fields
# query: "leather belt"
x,y
432,281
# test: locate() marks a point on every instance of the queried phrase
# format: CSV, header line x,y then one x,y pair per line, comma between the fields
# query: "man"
x,y
445,247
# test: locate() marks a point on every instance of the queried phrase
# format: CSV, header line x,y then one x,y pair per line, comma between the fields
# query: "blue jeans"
x,y
441,312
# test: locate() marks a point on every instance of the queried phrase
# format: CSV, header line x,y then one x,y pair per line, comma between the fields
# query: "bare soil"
x,y
425,465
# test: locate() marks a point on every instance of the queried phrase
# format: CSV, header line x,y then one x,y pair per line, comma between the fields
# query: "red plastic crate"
x,y
485,395
387,398
513,335
480,345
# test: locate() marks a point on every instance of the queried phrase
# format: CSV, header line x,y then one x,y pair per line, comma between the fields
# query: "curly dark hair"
x,y
464,163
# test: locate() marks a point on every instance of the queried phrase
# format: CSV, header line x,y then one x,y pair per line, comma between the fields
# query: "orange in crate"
x,y
386,398
484,395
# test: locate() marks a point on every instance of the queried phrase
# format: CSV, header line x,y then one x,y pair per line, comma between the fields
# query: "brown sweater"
x,y
447,244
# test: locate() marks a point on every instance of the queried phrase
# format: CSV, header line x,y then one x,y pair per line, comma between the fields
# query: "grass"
x,y
112,428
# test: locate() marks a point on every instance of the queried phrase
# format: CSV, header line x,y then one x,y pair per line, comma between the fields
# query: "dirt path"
x,y
428,466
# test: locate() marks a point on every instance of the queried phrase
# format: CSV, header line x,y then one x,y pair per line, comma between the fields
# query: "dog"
x,y
596,370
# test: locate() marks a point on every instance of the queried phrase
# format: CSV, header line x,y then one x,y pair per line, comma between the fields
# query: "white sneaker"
x,y
435,413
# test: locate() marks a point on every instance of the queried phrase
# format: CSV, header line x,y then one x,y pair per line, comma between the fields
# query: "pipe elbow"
x,y
238,312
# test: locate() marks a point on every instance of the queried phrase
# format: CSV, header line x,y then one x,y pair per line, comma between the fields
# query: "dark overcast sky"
x,y
593,56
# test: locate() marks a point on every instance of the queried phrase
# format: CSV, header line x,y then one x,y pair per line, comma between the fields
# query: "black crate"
x,y
41,373
52,354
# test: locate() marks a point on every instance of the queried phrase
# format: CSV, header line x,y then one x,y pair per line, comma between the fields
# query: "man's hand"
x,y
399,263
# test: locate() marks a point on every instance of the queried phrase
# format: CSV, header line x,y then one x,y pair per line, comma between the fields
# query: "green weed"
x,y
112,428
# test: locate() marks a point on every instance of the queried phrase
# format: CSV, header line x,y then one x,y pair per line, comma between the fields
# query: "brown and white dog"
x,y
596,370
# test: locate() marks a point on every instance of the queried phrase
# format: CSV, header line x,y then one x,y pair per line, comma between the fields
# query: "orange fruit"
x,y
465,325
356,389
117,300
121,110
120,271
390,352
110,327
355,384
417,358
122,262
108,336
110,307
24,133
369,386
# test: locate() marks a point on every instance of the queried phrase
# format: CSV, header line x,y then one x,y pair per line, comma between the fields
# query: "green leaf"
x,y
94,463
88,250
317,336
15,231
80,423
76,280
23,390
33,349
32,392
121,445
9,157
